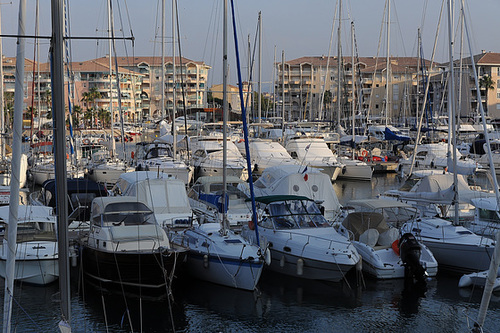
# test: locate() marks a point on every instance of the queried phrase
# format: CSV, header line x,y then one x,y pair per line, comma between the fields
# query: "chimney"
x,y
483,51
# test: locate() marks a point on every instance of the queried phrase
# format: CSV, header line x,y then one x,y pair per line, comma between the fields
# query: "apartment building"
x,y
312,86
190,79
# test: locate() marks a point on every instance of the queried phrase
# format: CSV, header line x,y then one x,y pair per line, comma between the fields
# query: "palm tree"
x,y
486,82
89,98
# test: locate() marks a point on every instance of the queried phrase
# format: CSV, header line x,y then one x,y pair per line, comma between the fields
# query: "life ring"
x,y
241,140
86,141
364,153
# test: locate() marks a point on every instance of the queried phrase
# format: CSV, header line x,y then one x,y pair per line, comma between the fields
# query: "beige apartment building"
x,y
139,81
306,78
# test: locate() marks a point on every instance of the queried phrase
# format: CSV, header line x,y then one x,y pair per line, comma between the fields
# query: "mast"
x,y
113,146
451,110
353,75
163,60
15,169
2,116
224,117
259,83
388,64
283,96
339,66
60,155
174,84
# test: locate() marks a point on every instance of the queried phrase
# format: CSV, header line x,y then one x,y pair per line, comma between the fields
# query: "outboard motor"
x,y
410,251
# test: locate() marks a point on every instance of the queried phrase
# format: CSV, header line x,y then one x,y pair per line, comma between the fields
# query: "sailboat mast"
x,y
15,169
259,83
163,60
451,109
283,96
60,154
388,64
339,64
353,76
225,114
113,147
174,83
2,116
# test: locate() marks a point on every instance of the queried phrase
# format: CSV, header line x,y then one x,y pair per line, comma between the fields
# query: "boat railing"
x,y
292,234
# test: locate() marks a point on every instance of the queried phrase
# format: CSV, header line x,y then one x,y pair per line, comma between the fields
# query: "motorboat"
x,y
166,196
126,246
435,156
479,279
314,152
454,247
104,169
378,242
208,154
158,157
354,169
303,181
36,245
265,154
221,256
301,241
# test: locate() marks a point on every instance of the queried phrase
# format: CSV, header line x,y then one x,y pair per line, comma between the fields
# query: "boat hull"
x,y
241,274
134,269
39,271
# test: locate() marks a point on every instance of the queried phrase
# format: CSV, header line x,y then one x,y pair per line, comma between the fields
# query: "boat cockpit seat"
x,y
388,237
369,237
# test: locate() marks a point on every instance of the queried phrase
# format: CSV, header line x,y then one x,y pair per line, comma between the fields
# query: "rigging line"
x,y
370,105
182,79
399,29
122,287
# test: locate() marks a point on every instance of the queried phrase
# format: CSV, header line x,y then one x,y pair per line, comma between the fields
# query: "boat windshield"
x,y
296,214
127,213
32,232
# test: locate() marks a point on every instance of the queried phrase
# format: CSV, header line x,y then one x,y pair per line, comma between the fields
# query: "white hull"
x,y
38,271
178,171
384,263
43,173
107,173
333,171
358,171
227,260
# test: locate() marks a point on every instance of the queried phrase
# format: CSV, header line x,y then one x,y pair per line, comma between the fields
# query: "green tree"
x,y
486,82
104,117
89,98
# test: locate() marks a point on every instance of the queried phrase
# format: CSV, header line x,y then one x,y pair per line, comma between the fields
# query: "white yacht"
x,y
314,152
302,242
378,242
36,245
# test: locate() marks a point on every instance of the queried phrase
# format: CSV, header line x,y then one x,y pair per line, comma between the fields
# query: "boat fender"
x,y
432,164
251,225
395,246
205,261
268,257
359,265
73,255
282,261
344,169
386,159
300,266
132,155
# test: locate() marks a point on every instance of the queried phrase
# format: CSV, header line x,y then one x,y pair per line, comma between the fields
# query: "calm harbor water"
x,y
281,304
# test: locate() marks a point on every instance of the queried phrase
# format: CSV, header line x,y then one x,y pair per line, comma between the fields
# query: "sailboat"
x,y
108,169
216,253
455,247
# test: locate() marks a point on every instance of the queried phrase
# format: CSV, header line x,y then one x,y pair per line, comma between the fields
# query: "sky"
x,y
297,27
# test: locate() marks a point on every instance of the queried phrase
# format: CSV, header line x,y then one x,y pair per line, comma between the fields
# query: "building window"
x,y
498,84
376,85
498,95
498,71
376,106
498,106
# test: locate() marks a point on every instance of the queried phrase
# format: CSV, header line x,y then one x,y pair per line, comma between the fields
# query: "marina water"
x,y
281,303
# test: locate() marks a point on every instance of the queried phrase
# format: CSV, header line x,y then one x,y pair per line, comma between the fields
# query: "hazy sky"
x,y
300,28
